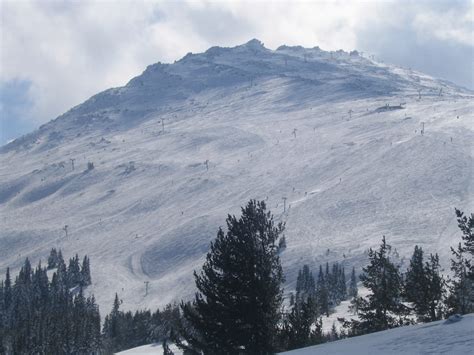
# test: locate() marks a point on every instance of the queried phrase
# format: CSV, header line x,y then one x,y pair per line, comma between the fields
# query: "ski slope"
x,y
184,144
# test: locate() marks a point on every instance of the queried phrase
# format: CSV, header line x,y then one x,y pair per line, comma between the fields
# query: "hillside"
x,y
183,144
442,337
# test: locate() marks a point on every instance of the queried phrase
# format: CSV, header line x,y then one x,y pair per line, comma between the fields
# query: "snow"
x,y
150,207
150,349
440,337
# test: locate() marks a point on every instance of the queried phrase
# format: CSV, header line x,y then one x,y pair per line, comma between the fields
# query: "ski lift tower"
x,y
284,204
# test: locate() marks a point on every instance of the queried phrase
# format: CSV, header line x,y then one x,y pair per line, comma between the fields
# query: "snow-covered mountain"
x,y
183,144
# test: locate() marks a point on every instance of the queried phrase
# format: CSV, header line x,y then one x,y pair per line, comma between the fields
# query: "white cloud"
x,y
452,25
71,50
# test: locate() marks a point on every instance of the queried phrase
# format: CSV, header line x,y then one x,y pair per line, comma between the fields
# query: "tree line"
x,y
239,306
43,316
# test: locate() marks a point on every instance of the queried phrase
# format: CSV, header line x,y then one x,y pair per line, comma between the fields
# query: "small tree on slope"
x,y
461,298
301,327
424,286
383,279
353,291
238,304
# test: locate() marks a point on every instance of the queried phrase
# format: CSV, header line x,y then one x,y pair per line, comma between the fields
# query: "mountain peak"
x,y
254,44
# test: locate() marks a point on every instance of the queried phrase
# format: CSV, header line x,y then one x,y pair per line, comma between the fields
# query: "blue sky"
x,y
56,54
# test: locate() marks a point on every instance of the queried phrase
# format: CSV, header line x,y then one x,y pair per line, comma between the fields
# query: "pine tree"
x,y
92,327
383,279
353,290
322,293
424,286
43,317
299,323
342,287
333,336
85,273
74,272
436,288
6,317
466,225
237,306
3,328
461,298
53,259
22,310
113,327
60,259
416,282
305,285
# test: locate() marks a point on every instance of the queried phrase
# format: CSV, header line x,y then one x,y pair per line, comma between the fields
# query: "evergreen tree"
x,y
424,286
322,293
305,285
92,327
461,298
44,317
237,307
74,272
53,259
382,278
85,274
333,336
60,259
112,330
2,319
333,284
7,291
466,225
22,312
435,290
341,285
416,282
6,314
299,323
353,291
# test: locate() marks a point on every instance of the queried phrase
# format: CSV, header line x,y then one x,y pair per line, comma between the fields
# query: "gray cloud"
x,y
69,51
433,37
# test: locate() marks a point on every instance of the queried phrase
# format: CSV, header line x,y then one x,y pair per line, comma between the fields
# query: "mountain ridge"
x,y
326,61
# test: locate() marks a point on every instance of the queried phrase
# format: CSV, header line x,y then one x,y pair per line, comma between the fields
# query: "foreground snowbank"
x,y
150,349
442,337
